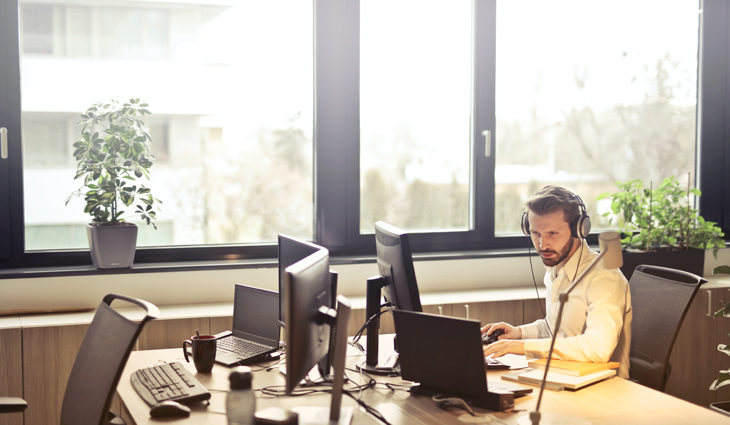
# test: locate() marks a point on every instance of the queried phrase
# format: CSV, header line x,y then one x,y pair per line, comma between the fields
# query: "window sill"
x,y
88,270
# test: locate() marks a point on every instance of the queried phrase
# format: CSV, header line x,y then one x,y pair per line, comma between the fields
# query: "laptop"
x,y
444,355
255,331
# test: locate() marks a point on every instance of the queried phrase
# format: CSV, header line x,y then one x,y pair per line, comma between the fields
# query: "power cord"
x,y
358,334
369,383
326,388
444,402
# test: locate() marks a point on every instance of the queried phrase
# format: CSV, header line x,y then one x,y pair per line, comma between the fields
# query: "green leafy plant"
x,y
661,218
113,158
723,376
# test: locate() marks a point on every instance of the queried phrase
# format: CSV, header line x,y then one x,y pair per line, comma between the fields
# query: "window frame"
x,y
713,128
336,145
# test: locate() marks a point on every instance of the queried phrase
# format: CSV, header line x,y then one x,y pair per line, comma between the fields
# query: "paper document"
x,y
514,361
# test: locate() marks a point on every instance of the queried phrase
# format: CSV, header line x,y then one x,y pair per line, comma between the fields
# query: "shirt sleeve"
x,y
536,329
605,294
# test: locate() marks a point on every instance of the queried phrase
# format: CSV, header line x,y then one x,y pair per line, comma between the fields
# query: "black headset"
x,y
580,228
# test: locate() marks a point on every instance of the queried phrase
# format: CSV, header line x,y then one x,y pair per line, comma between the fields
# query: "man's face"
x,y
551,237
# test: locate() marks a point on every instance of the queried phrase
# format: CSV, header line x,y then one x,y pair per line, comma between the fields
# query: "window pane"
x,y
42,25
415,110
230,91
590,93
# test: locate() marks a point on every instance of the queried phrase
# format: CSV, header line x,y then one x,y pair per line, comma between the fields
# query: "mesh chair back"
x,y
660,298
100,361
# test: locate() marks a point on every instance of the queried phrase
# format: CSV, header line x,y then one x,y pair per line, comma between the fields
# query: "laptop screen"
x,y
256,314
441,353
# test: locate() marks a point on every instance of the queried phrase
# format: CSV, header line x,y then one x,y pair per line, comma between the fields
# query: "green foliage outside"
x,y
661,218
113,158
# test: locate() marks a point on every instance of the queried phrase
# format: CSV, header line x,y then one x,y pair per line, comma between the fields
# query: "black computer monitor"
x,y
291,250
308,319
395,264
396,283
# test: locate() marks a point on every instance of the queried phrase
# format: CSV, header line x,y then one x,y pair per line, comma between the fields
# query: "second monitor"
x,y
396,284
309,320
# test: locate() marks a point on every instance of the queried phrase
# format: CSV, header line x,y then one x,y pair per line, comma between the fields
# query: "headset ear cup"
x,y
583,226
525,224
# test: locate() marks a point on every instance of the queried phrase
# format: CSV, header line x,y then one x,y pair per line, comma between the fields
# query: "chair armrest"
x,y
12,404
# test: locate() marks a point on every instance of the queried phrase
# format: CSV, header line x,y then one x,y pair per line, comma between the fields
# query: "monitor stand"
x,y
335,414
372,310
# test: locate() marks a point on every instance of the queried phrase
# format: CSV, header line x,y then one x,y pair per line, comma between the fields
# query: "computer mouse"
x,y
169,409
488,339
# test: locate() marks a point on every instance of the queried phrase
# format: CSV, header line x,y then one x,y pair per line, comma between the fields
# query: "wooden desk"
x,y
616,401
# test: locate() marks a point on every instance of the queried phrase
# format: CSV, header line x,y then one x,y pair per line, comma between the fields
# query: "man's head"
x,y
555,220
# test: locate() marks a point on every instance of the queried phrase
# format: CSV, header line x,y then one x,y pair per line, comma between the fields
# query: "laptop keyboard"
x,y
241,347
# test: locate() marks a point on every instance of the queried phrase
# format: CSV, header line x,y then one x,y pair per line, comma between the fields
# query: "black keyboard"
x,y
168,381
241,347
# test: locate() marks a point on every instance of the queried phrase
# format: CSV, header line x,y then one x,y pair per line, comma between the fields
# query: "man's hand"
x,y
509,342
510,332
504,346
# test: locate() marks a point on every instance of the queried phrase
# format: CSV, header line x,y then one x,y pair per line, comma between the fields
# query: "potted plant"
x,y
661,227
723,377
113,158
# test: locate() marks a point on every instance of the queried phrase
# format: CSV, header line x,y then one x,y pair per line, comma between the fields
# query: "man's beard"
x,y
559,259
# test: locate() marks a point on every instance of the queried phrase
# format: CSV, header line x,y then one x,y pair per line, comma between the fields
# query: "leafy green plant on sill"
x,y
723,376
113,157
662,218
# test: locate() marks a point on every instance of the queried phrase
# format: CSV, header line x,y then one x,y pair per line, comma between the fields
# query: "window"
x,y
47,139
316,119
231,125
584,102
415,113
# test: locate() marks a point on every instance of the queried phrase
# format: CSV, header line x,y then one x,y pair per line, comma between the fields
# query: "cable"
x,y
370,319
269,365
445,401
578,265
326,388
370,383
537,293
370,409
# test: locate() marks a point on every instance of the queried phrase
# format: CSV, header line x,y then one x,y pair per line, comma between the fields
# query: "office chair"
x,y
99,364
660,298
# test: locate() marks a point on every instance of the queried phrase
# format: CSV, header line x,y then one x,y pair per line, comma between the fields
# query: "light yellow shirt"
x,y
596,323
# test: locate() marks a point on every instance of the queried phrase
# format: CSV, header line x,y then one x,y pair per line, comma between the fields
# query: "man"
x,y
596,323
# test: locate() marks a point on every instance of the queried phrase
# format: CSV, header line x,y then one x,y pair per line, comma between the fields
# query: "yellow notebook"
x,y
569,367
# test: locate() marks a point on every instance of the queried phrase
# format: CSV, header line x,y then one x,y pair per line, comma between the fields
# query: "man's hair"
x,y
553,198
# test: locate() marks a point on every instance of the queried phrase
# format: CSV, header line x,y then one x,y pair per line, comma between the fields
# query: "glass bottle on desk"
x,y
240,401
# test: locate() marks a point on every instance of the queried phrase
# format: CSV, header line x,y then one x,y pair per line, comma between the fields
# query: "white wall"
x,y
202,287
196,287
